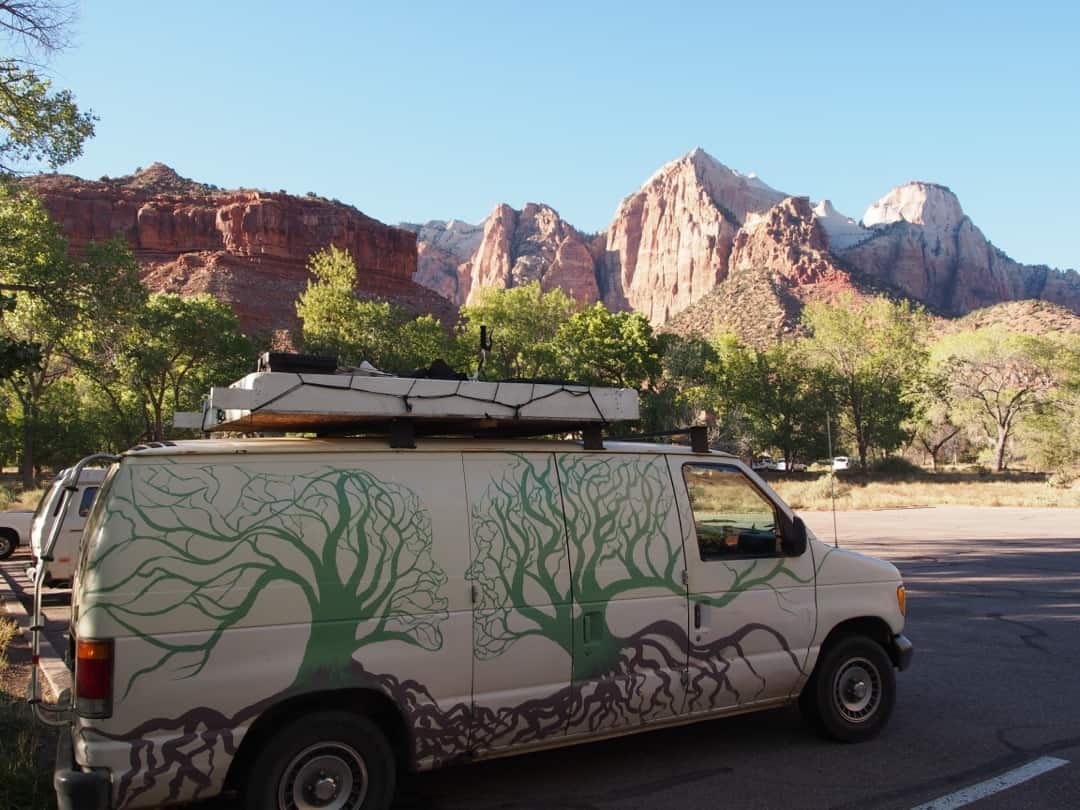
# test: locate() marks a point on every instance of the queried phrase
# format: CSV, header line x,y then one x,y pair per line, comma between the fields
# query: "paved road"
x,y
994,611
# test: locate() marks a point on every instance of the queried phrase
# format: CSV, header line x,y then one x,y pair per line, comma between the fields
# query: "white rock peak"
x,y
844,232
459,239
926,204
740,194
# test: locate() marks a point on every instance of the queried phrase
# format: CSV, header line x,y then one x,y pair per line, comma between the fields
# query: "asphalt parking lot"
x,y
990,707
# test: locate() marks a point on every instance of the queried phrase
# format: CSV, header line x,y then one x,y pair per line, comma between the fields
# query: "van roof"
x,y
351,445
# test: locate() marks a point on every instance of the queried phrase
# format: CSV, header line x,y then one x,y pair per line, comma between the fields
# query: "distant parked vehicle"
x,y
764,462
796,466
841,463
14,529
60,569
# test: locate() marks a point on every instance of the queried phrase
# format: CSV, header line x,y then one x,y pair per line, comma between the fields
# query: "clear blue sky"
x,y
415,111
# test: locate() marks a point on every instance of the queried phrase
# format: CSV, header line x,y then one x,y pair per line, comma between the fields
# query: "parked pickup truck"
x,y
14,529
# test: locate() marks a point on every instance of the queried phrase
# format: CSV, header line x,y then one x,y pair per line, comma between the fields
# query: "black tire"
x,y
851,694
9,541
323,750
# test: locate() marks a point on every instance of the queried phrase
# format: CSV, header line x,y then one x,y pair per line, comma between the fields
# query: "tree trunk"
x,y
26,468
999,451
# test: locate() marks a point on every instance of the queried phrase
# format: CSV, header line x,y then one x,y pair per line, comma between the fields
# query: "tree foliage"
x,y
781,397
871,356
522,324
176,348
39,123
599,347
996,377
336,322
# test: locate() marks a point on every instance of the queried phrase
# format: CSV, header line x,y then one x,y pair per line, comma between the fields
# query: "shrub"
x,y
895,465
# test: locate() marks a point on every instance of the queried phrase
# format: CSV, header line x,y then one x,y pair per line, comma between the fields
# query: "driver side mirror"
x,y
793,541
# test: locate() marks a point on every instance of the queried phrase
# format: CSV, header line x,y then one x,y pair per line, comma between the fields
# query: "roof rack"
x,y
367,401
698,436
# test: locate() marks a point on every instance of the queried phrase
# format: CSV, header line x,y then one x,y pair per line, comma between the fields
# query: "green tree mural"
x,y
619,537
214,538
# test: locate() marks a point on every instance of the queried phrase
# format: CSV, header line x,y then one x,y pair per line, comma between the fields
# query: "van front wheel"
x,y
8,543
329,760
852,692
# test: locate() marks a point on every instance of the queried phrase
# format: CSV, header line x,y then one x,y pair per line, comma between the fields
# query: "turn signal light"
x,y
94,678
901,599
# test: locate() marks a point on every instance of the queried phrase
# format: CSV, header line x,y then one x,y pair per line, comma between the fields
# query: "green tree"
x,y
782,398
996,378
335,322
599,347
55,299
934,424
177,348
683,393
871,357
38,122
522,324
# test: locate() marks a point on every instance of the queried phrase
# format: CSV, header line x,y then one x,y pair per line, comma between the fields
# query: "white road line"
x,y
981,790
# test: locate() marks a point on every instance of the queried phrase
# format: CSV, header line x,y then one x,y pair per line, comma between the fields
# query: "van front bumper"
x,y
901,650
77,789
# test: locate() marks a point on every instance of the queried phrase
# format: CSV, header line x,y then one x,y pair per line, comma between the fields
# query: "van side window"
x,y
87,501
732,518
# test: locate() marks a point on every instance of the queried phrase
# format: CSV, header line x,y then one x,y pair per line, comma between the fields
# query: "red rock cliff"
x,y
248,248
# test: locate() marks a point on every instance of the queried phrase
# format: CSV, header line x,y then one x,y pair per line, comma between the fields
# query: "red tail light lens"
x,y
93,678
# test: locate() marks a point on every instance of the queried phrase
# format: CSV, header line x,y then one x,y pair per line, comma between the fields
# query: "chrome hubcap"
x,y
325,776
857,690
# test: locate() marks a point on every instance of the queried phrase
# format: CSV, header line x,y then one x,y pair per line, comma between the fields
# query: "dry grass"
x,y
928,490
26,747
26,500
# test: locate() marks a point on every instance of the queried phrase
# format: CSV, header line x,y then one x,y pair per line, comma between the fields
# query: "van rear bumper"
x,y
77,789
900,650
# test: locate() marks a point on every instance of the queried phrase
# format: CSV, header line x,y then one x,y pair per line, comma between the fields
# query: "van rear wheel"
x,y
852,692
326,761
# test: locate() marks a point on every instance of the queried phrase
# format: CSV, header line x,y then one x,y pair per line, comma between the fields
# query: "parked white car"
x,y
763,462
60,569
841,463
300,619
14,530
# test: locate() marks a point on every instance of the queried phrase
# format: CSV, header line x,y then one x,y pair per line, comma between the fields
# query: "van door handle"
x,y
589,626
697,615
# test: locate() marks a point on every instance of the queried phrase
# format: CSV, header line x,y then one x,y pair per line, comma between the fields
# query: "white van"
x,y
297,620
60,569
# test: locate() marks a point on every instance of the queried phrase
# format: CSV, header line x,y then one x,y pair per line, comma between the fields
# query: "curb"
x,y
51,663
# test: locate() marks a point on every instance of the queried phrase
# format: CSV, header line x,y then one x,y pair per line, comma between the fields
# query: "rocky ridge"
x,y
697,242
248,248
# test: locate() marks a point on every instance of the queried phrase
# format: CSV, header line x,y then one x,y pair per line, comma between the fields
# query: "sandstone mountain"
x,y
696,244
918,240
695,224
248,248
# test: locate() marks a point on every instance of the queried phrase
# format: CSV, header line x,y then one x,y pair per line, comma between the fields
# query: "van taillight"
x,y
93,678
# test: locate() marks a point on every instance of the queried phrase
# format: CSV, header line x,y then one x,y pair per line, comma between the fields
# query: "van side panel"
x,y
626,559
230,584
522,620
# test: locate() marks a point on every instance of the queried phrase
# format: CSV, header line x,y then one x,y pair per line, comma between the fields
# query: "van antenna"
x,y
485,347
832,477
